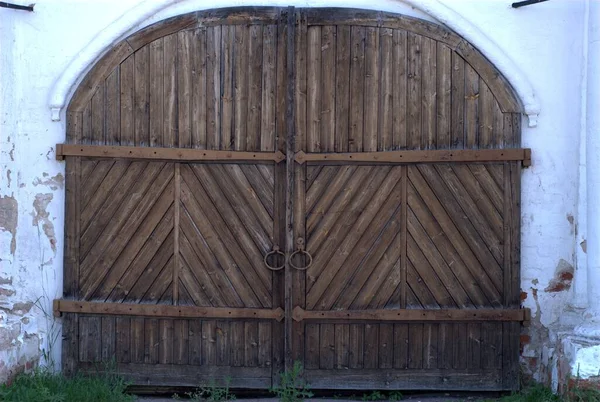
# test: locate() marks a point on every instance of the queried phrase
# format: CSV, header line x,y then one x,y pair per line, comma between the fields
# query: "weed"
x,y
211,393
395,396
293,387
373,396
43,385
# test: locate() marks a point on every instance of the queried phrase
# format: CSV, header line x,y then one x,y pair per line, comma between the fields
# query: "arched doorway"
x,y
376,152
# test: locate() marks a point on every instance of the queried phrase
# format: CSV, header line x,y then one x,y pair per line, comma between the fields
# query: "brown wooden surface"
x,y
401,174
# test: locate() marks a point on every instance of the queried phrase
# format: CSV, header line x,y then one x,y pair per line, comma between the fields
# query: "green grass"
x,y
45,386
539,393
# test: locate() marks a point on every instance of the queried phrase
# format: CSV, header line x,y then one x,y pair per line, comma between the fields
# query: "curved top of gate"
x,y
480,75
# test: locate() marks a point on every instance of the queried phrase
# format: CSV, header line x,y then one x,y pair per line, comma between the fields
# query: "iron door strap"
x,y
275,251
301,251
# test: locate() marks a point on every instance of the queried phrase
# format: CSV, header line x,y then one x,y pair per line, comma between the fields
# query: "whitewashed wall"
x,y
545,41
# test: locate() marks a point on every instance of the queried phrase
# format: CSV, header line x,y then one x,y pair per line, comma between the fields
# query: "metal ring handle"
x,y
301,251
274,252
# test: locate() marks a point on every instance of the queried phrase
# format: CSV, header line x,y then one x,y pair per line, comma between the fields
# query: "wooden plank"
x,y
401,346
461,345
446,315
510,355
209,344
486,121
97,116
176,232
444,96
89,339
357,74
227,62
112,107
156,55
223,349
181,341
170,119
314,90
326,346
237,343
137,340
371,346
342,87
474,345
312,348
429,93
342,346
415,342
151,341
432,379
195,342
265,342
425,156
403,239
400,72
108,338
371,89
357,345
123,334
414,95
183,68
254,102
213,88
328,87
141,99
199,96
240,91
250,344
457,137
472,112
269,89
165,347
386,346
146,310
127,119
191,376
385,140
430,346
187,155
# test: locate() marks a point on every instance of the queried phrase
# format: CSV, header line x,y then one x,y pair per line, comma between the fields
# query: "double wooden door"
x,y
247,188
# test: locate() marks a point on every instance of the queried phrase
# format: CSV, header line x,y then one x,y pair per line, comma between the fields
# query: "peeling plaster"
x,y
563,277
9,216
8,172
54,182
41,215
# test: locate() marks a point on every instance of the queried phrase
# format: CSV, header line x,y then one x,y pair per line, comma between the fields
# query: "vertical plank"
x,y
137,340
429,88
171,121
430,345
357,75
386,346
401,346
123,333
328,84
209,343
415,346
457,137
312,347
198,60
444,96
403,238
86,132
264,344
342,87
240,86
268,90
314,87
213,87
181,342
109,332
386,98
460,354
371,346
251,344
184,87
227,83
474,345
342,346
156,56
445,345
371,89
127,85
97,116
141,79
255,65
195,342
327,346
414,95
498,130
400,88
510,355
357,345
471,107
222,343
151,341
237,340
486,122
90,344
176,221
113,106
165,349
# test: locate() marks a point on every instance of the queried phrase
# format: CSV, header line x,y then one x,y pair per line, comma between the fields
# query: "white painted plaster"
x,y
37,49
149,11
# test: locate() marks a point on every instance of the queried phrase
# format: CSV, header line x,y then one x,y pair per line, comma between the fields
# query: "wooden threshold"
x,y
299,314
427,156
167,311
173,154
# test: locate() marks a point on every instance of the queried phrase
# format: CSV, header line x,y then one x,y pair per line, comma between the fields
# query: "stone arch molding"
x,y
143,13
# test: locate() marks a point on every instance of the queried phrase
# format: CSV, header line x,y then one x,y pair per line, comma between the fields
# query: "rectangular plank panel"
x,y
457,136
429,93
371,346
254,103
474,345
414,94
486,122
472,112
171,121
314,86
386,98
198,60
444,96
430,345
237,341
357,345
227,86
342,346
222,343
342,87
386,346
251,344
312,346
90,343
269,89
415,348
109,332
123,334
240,86
181,342
461,345
213,87
327,346
195,342
371,89
151,341
157,97
357,74
142,80
137,340
165,348
400,71
401,346
127,84
97,116
112,109
328,81
209,343
184,87
264,343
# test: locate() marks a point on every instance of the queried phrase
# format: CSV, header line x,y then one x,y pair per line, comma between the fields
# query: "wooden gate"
x,y
247,188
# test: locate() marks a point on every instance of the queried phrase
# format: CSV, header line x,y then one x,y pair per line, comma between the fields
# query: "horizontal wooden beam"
x,y
161,310
427,156
173,154
299,314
